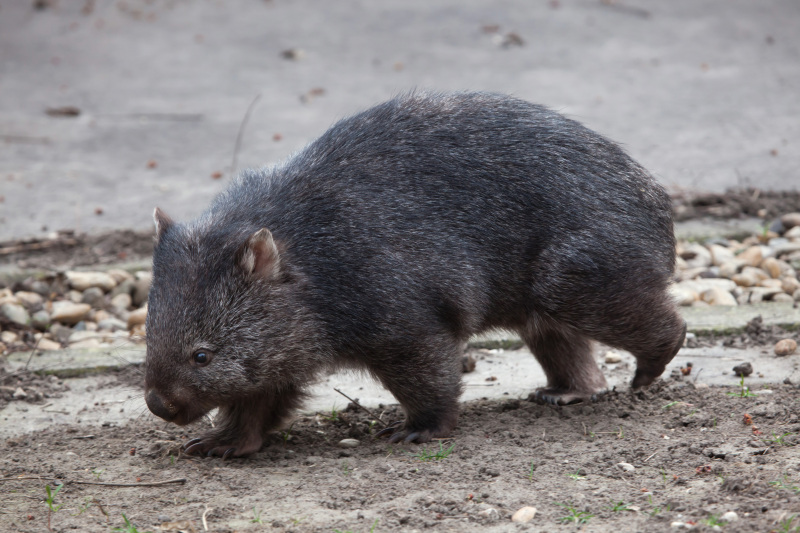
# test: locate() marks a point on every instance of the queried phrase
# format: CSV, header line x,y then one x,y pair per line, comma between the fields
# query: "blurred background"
x,y
111,107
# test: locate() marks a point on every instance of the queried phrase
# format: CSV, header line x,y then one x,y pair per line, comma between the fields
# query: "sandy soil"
x,y
692,454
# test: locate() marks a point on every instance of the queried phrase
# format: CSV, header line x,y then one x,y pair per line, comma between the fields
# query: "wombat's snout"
x,y
159,407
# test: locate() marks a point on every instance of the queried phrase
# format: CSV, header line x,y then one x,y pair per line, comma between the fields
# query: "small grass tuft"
x,y
129,527
619,507
426,455
744,391
574,516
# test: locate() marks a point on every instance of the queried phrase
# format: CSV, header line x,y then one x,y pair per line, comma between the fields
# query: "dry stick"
x,y
32,352
361,407
6,250
241,133
152,484
205,524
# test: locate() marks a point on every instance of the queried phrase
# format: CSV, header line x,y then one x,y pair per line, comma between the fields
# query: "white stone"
x,y
81,281
69,312
720,255
48,345
348,443
626,467
490,513
19,394
612,357
121,301
782,297
696,255
753,255
524,515
15,313
9,337
730,268
120,275
730,516
718,296
790,284
31,300
793,233
701,285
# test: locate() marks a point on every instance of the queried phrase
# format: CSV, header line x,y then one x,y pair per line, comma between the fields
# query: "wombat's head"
x,y
220,315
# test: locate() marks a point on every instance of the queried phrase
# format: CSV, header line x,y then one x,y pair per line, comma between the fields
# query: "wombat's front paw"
x,y
398,431
565,397
213,445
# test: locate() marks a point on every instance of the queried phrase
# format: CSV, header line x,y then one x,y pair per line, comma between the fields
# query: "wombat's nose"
x,y
158,407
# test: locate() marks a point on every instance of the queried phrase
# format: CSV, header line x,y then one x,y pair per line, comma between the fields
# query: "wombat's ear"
x,y
259,255
163,222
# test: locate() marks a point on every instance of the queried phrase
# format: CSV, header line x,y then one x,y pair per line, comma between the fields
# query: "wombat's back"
x,y
480,206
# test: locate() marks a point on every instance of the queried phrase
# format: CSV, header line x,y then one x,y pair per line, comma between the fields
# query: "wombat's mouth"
x,y
173,410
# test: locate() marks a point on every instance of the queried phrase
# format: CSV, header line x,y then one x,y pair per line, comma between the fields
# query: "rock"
x,y
701,285
752,256
730,268
79,336
122,301
790,220
9,337
19,394
743,370
785,347
718,296
69,312
730,516
47,344
696,255
524,515
141,288
138,331
796,295
626,467
720,255
112,324
612,357
30,300
15,313
683,295
782,297
93,296
774,267
771,284
490,513
40,320
101,314
60,333
137,317
790,284
348,443
120,275
793,233
125,287
86,343
41,288
75,296
81,281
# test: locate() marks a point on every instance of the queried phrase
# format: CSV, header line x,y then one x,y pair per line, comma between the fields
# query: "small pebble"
x,y
490,513
612,357
19,394
137,317
15,313
83,280
348,443
785,347
626,467
730,516
69,312
743,370
524,515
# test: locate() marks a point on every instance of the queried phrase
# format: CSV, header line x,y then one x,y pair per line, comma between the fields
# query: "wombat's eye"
x,y
201,358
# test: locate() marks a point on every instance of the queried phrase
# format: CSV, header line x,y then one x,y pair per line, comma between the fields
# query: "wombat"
x,y
389,241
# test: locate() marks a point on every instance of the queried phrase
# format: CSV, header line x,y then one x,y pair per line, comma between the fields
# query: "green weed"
x,y
256,516
777,439
574,516
129,527
619,507
426,455
744,391
785,485
50,501
576,476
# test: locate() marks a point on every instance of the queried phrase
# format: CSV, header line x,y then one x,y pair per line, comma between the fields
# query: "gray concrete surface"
x,y
703,93
499,373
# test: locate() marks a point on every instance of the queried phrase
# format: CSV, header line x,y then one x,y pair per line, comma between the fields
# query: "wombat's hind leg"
x,y
243,425
566,358
427,386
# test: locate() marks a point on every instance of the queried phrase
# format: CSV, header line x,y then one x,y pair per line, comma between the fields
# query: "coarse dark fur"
x,y
389,241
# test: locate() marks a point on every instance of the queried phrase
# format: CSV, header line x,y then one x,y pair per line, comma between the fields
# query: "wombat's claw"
x,y
559,397
388,430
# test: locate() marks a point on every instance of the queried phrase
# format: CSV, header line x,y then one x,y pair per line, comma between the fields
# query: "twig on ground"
x,y
361,407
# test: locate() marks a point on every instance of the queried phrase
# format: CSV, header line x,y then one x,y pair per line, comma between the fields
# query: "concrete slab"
x,y
506,371
698,91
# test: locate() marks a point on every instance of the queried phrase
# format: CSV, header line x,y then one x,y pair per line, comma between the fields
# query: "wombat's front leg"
x,y
566,358
243,425
428,386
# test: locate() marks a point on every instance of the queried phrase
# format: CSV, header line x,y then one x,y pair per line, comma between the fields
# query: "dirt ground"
x,y
691,457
